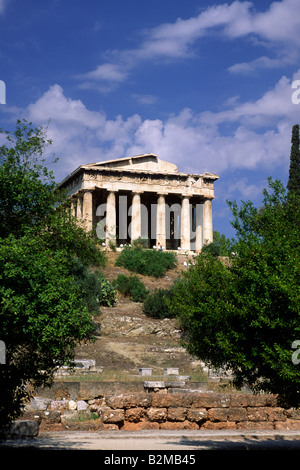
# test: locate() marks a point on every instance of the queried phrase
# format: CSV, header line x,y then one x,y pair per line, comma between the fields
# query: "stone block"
x,y
33,415
157,414
82,405
207,400
262,400
171,371
68,416
218,414
288,424
237,414
111,416
24,428
129,401
257,414
176,414
59,405
72,405
218,425
145,371
160,400
154,384
52,417
276,414
257,425
293,413
168,425
141,425
175,384
197,415
134,414
39,403
94,405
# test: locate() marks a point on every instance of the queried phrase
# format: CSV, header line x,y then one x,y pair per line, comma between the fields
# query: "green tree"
x,y
219,247
45,306
245,316
294,171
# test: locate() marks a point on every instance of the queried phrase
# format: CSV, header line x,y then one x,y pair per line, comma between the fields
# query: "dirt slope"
x,y
127,339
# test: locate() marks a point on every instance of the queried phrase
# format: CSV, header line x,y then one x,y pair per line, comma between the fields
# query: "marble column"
x,y
185,223
161,221
136,218
87,209
111,217
199,227
78,213
73,206
207,222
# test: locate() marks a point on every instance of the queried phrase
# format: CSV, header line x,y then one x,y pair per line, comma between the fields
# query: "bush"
x,y
97,290
131,286
146,262
108,293
155,304
219,247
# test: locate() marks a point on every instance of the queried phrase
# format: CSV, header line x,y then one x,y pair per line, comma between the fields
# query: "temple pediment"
x,y
147,162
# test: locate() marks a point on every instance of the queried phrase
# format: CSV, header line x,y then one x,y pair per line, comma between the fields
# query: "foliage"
x,y
97,290
155,304
245,316
140,243
219,247
146,262
43,315
131,286
45,309
294,171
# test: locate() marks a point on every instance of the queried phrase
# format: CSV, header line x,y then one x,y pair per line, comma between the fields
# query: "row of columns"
x,y
203,230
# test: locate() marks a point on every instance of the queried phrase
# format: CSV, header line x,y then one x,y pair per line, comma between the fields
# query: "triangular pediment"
x,y
147,162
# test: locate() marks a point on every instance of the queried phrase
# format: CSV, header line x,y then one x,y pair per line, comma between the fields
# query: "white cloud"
x,y
277,26
109,72
259,136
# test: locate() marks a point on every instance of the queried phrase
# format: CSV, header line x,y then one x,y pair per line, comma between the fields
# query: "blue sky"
x,y
204,84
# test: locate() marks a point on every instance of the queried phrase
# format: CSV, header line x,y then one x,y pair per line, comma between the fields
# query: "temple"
x,y
143,197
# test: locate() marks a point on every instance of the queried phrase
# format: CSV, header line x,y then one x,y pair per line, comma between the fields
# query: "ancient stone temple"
x,y
143,197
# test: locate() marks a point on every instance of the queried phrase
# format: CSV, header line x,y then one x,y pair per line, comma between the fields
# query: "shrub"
x,y
219,247
108,293
131,286
146,262
96,289
155,304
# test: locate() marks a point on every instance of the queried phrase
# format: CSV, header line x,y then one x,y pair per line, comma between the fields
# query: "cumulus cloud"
x,y
258,138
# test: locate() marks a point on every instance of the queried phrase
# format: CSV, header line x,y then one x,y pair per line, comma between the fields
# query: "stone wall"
x,y
137,411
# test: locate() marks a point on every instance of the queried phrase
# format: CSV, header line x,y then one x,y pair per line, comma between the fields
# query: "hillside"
x,y
127,339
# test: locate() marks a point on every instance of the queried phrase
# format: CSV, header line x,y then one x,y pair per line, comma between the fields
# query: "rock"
x,y
112,416
39,403
24,428
72,405
59,405
82,405
158,415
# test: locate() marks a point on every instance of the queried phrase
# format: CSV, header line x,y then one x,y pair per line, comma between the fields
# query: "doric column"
x,y
87,209
136,219
73,206
161,221
199,227
185,223
207,222
78,213
111,218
